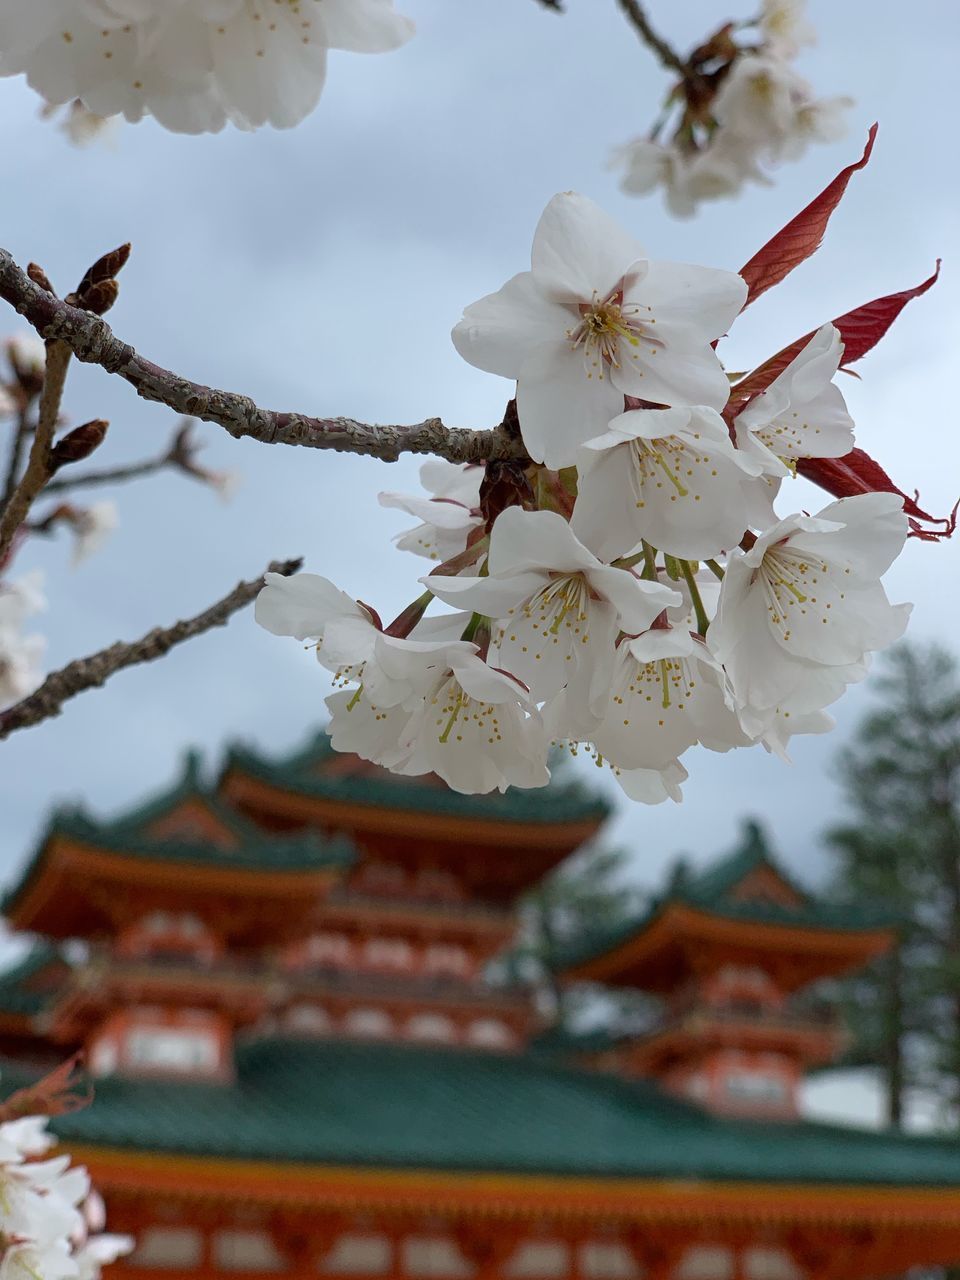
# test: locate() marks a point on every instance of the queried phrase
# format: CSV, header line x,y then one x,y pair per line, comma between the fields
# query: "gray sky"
x,y
322,270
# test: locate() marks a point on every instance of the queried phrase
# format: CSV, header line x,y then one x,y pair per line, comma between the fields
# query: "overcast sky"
x,y
322,270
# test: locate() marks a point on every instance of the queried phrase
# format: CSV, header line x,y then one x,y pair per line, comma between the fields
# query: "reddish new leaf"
x,y
56,1094
861,329
801,237
856,473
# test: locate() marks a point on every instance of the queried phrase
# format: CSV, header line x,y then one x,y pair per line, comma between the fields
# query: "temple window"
x,y
706,1262
442,959
307,1019
104,1057
329,949
358,1255
173,1049
168,1247
246,1251
490,1033
431,1026
757,1087
539,1260
429,1257
607,1260
388,953
374,1023
764,1263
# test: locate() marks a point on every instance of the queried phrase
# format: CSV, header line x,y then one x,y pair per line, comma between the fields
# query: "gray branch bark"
x,y
91,340
95,670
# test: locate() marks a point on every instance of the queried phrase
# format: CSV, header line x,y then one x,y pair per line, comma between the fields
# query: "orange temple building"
x,y
278,981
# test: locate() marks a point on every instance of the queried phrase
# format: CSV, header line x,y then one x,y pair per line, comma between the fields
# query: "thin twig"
x,y
38,469
15,459
92,341
669,58
88,479
95,670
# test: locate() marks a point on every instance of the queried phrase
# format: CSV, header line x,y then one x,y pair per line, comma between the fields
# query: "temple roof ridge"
x,y
301,770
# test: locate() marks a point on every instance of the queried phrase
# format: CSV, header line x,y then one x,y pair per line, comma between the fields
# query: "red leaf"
x,y
801,237
861,329
857,473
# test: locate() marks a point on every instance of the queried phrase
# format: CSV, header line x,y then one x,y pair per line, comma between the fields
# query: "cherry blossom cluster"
x,y
51,1224
742,108
630,588
193,65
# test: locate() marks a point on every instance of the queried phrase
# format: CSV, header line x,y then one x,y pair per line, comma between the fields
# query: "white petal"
x,y
579,251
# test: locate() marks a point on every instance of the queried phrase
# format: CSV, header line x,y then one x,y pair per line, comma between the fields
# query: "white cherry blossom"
x,y
785,27
192,64
20,655
759,99
594,320
669,476
473,725
560,607
447,517
801,610
92,526
348,636
667,693
653,786
802,414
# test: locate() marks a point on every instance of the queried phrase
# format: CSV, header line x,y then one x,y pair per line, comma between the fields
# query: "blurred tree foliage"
x,y
900,850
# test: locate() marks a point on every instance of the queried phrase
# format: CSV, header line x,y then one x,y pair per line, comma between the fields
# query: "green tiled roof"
x,y
710,890
566,801
405,1106
258,851
16,995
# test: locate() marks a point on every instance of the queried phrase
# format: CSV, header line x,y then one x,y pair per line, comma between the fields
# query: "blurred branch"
x,y
95,670
21,433
179,455
92,341
669,58
39,469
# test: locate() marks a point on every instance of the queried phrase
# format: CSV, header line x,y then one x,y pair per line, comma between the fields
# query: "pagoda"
x,y
279,983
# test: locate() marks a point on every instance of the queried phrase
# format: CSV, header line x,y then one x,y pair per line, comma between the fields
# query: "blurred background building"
x,y
343,1023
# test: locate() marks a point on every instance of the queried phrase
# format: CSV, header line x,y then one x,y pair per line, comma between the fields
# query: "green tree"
x,y
900,851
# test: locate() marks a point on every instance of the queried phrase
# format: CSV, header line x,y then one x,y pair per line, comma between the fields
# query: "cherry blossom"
x,y
802,414
667,692
448,516
20,655
473,725
561,607
193,65
800,611
91,526
43,1223
594,320
785,26
670,476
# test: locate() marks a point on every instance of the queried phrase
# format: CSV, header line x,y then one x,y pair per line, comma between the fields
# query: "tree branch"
x,y
669,58
38,469
95,670
21,433
92,341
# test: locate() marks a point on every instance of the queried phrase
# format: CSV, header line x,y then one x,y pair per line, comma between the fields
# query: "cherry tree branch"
x,y
95,670
21,434
669,58
91,340
38,469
